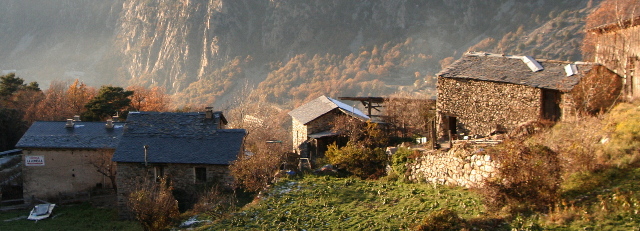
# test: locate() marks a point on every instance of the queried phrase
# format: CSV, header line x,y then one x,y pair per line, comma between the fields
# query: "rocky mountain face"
x,y
174,43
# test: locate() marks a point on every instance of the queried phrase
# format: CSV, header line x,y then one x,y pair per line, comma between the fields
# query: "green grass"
x,y
603,200
68,217
331,203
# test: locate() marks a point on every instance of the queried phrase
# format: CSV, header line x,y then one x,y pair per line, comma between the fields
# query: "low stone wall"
x,y
460,166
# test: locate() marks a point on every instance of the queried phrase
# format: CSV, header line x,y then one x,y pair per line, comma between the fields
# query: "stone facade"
x,y
618,48
64,171
181,176
456,167
481,107
300,132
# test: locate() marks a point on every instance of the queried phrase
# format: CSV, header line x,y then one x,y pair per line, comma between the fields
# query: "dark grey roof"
x,y
512,69
320,106
177,138
83,135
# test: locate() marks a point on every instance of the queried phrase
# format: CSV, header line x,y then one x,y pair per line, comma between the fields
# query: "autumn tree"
x,y
266,139
109,101
78,95
16,100
145,99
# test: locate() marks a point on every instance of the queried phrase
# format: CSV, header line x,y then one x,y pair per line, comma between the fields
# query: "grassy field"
x,y
68,217
331,203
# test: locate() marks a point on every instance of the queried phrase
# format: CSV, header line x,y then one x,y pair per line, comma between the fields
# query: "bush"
x,y
400,159
255,172
366,163
443,219
154,205
215,203
528,180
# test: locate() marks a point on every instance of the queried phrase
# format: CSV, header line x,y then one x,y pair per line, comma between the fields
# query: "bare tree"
x,y
103,164
409,114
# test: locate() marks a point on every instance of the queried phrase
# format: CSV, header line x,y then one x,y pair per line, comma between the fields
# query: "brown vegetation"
x,y
303,77
153,205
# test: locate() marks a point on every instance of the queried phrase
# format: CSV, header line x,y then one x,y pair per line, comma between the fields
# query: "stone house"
x,y
58,157
312,124
617,46
481,93
190,149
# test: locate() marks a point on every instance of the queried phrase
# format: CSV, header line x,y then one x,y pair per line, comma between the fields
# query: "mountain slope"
x,y
184,44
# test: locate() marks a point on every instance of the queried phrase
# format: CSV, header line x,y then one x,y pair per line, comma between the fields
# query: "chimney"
x,y
69,123
76,118
109,124
208,113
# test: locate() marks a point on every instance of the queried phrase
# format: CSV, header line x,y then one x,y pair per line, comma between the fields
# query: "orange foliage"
x,y
154,99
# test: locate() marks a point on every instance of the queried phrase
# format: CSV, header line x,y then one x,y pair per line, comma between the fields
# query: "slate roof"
x,y
322,105
512,69
186,138
84,135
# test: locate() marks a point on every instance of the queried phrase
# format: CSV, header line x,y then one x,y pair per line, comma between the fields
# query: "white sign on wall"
x,y
34,161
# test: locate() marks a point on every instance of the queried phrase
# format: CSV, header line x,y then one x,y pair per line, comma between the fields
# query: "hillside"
x,y
595,188
205,51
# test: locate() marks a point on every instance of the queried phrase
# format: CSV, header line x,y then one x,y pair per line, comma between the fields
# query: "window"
x,y
201,174
158,172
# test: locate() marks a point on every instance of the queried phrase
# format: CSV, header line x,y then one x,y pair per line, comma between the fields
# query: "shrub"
x,y
443,219
153,205
360,161
215,203
529,177
255,172
400,159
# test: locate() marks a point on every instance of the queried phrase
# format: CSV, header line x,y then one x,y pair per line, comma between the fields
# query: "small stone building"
x,y
190,149
312,124
58,157
617,46
482,93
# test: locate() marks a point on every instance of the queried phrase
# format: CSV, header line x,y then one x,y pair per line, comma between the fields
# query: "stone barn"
x,y
312,125
191,150
63,157
482,93
617,46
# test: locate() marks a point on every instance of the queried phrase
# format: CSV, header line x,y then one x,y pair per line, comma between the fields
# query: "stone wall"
x,y
301,132
619,50
481,107
460,166
182,177
64,171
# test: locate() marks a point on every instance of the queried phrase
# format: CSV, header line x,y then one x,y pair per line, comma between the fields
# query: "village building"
x,y
481,94
312,125
61,157
617,46
190,150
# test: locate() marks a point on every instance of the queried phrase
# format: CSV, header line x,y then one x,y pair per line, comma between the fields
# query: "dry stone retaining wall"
x,y
459,166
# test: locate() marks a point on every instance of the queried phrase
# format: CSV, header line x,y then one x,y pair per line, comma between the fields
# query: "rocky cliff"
x,y
174,43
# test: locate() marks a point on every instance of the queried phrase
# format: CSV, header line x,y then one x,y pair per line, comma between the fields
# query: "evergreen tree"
x,y
109,101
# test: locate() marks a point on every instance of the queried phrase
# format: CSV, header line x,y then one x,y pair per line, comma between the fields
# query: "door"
x,y
551,105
